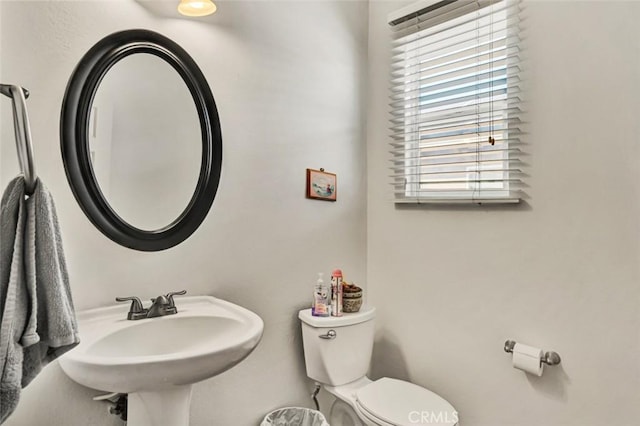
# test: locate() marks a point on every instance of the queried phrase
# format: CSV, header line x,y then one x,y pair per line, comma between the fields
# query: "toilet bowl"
x,y
388,402
337,355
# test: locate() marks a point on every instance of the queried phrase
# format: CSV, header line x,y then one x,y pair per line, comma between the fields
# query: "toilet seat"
x,y
392,402
364,414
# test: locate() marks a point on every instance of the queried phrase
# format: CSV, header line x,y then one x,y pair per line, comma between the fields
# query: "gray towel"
x,y
38,320
14,299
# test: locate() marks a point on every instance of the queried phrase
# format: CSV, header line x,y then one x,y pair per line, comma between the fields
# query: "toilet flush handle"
x,y
331,334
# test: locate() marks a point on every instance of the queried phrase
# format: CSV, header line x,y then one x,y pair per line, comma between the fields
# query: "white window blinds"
x,y
455,102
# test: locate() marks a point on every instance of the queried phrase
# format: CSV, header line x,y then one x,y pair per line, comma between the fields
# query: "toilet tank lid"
x,y
366,313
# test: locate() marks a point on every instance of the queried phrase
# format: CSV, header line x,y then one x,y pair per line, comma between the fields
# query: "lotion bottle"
x,y
321,299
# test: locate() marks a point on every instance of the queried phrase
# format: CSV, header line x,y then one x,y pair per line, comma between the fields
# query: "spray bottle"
x,y
336,293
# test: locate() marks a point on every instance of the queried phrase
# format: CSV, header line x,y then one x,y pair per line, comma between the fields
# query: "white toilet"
x,y
337,353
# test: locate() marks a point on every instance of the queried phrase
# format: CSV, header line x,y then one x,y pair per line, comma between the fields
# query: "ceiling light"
x,y
196,7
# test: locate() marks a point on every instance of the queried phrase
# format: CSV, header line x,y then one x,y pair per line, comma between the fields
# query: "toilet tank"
x,y
343,358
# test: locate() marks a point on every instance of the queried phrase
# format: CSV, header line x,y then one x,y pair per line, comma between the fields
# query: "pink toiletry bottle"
x,y
336,293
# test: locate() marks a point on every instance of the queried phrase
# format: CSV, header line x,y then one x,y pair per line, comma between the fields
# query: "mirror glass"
x,y
145,141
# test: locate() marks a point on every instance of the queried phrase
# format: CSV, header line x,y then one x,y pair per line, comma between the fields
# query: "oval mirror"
x,y
141,141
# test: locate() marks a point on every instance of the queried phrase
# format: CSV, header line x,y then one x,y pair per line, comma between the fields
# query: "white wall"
x,y
559,271
288,78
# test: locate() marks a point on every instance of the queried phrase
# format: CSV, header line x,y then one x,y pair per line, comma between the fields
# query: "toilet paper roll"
x,y
527,359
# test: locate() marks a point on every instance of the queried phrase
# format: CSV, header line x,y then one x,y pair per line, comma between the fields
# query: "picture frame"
x,y
322,185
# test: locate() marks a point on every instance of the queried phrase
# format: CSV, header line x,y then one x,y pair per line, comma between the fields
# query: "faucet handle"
x,y
174,293
136,304
136,310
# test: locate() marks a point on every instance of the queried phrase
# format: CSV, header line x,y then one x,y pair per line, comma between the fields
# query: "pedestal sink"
x,y
156,360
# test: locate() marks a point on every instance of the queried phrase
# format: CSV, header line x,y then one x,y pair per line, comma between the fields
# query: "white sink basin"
x,y
159,358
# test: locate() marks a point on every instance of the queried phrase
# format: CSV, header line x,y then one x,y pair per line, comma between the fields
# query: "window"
x,y
455,102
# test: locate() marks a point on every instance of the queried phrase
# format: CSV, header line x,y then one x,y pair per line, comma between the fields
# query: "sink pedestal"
x,y
160,407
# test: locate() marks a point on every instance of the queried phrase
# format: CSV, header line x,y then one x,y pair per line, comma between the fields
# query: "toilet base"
x,y
343,415
343,411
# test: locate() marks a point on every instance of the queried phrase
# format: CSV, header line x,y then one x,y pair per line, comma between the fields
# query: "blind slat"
x,y
484,105
510,161
459,172
512,198
458,181
403,149
463,154
450,126
461,113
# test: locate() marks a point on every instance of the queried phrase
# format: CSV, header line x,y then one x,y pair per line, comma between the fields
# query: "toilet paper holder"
x,y
549,358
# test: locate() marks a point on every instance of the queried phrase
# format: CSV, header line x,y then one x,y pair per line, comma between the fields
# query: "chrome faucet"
x,y
160,306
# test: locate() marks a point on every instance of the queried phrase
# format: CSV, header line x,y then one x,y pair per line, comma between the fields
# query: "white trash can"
x,y
294,416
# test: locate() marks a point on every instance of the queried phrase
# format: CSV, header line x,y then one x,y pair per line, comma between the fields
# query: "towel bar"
x,y
24,147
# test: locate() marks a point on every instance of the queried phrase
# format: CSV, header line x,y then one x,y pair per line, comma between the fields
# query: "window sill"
x,y
488,200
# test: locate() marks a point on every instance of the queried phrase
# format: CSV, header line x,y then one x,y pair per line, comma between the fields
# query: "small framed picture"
x,y
321,185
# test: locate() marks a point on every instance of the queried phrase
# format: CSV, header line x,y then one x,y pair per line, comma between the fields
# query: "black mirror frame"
x,y
74,125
